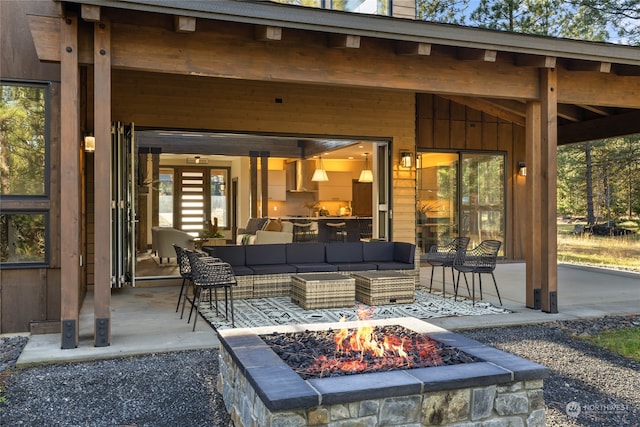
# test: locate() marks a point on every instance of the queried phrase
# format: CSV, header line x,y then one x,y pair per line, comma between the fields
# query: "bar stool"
x,y
337,231
305,232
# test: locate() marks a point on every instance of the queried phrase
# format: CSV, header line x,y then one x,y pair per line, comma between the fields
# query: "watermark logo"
x,y
573,409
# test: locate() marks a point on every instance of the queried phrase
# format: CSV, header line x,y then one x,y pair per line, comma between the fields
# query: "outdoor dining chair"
x,y
479,260
444,256
212,274
185,270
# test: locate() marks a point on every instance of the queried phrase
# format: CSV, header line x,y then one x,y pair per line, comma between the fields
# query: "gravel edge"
x,y
179,388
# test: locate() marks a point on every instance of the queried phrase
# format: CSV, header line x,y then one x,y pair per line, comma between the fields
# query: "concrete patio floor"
x,y
143,319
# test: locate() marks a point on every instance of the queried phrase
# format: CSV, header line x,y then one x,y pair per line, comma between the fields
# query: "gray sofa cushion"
x,y
233,255
268,259
350,252
308,258
377,251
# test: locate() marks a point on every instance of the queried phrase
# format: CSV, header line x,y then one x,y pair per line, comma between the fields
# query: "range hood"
x,y
299,174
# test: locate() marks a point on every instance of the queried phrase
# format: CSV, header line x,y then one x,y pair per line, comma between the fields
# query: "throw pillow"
x,y
254,225
273,225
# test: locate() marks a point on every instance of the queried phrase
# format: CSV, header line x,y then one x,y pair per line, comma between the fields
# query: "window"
x,y
24,173
374,7
460,194
22,141
165,190
23,238
219,199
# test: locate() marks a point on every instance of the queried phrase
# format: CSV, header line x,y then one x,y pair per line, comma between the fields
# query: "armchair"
x,y
163,239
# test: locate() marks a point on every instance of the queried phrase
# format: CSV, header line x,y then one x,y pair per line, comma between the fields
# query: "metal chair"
x,y
185,270
479,260
444,256
213,274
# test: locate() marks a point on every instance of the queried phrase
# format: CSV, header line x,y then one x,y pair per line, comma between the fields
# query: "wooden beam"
x,y
593,66
102,183
485,55
537,61
533,221
212,55
344,41
548,189
69,181
267,33
604,89
570,112
90,13
489,107
603,127
184,24
601,111
413,48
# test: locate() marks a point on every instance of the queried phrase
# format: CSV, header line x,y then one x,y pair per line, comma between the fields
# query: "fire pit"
x,y
446,379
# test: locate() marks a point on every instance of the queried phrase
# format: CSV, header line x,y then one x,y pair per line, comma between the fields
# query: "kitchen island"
x,y
354,226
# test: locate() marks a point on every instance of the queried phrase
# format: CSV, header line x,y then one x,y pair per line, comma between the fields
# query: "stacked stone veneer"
x,y
260,390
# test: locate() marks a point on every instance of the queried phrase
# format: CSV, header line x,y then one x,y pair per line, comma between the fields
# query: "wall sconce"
x,y
320,174
522,169
89,143
406,159
366,175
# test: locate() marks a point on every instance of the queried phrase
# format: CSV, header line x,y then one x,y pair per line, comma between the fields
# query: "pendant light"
x,y
366,175
320,174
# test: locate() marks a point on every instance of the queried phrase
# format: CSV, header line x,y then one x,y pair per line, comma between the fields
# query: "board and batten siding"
x,y
446,125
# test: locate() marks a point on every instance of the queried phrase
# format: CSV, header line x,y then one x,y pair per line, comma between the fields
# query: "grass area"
x,y
623,341
619,252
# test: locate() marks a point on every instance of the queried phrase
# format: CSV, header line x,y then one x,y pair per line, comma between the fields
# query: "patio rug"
x,y
281,311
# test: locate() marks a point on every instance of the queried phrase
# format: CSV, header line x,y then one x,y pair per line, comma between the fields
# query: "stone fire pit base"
x,y
259,389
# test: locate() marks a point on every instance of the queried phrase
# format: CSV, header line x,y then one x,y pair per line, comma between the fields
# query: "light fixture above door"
x,y
197,160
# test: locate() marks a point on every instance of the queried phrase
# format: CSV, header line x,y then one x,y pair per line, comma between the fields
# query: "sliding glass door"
x,y
460,194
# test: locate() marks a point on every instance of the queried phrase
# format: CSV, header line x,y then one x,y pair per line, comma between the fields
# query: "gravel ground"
x,y
179,389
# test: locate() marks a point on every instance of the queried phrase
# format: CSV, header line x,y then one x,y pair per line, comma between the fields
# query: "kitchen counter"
x,y
354,225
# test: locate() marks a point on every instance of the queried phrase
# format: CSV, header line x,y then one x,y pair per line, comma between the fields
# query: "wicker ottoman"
x,y
322,290
384,287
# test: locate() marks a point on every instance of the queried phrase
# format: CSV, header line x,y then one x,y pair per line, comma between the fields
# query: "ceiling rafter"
x,y
486,55
412,48
344,41
489,108
184,24
267,33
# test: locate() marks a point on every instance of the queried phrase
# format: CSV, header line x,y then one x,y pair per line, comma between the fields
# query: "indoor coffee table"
x,y
384,287
322,290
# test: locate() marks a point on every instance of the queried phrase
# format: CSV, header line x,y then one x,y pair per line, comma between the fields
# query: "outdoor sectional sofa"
x,y
266,270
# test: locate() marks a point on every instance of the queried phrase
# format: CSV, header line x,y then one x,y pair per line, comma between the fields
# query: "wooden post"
x,y
548,209
533,223
253,171
69,182
102,192
264,173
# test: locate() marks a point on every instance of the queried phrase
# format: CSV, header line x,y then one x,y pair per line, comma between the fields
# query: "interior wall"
x,y
446,125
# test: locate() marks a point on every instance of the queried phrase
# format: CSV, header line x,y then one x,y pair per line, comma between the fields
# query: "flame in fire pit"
x,y
364,350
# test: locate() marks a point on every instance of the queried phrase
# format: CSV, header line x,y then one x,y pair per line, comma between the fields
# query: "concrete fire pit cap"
x,y
281,388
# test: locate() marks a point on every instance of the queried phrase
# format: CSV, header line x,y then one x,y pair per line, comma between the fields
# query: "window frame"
x,y
38,204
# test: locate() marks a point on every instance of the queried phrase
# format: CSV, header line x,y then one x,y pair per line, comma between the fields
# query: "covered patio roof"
x,y
599,115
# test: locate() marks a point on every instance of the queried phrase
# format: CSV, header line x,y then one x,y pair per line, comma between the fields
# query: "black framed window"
x,y
24,173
